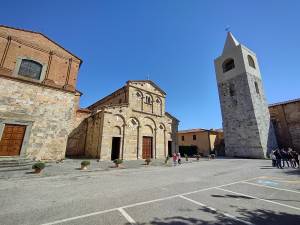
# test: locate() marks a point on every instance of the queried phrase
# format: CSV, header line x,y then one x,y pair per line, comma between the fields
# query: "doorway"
x,y
147,148
12,140
170,148
115,148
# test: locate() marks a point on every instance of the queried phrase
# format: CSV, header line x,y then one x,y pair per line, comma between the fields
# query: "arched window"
x,y
251,61
228,64
148,99
158,101
30,69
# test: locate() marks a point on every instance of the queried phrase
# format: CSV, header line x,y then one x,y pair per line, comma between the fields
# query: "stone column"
x,y
154,142
140,142
123,140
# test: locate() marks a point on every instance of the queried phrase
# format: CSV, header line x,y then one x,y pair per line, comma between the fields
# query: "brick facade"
x,y
46,106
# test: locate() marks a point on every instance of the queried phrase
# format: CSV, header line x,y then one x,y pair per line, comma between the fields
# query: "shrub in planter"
x,y
38,167
186,157
85,164
118,162
147,161
167,159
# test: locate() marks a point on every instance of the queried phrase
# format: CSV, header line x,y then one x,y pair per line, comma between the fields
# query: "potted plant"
x,y
167,159
38,167
186,157
85,164
118,162
147,161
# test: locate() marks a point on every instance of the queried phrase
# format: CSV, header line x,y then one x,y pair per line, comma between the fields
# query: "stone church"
x,y
130,123
38,96
248,131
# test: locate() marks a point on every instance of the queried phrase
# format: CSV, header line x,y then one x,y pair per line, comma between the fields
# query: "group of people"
x,y
176,159
280,157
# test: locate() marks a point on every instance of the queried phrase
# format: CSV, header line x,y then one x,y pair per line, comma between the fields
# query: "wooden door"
x,y
147,147
115,148
12,140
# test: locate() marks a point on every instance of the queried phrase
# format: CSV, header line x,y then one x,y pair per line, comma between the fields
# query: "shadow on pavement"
x,y
258,217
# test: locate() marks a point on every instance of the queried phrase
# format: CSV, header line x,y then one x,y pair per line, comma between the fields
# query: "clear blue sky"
x,y
175,41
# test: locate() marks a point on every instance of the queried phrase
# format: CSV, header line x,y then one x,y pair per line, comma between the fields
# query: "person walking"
x,y
179,158
284,158
174,159
273,157
278,158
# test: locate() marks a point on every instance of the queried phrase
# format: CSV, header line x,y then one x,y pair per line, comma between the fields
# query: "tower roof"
x,y
230,43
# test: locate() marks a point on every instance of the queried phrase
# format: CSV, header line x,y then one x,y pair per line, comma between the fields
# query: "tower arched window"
x,y
251,61
148,99
228,64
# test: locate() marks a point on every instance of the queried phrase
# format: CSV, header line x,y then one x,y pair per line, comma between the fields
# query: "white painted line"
x,y
127,216
141,203
261,199
225,214
79,217
193,201
280,189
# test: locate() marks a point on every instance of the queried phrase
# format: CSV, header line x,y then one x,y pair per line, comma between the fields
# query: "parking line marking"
x,y
280,189
127,216
141,203
261,199
213,209
79,217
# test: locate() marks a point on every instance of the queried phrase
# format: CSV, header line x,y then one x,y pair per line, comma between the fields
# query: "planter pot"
x,y
83,168
37,170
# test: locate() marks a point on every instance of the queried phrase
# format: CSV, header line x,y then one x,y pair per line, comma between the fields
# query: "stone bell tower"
x,y
246,120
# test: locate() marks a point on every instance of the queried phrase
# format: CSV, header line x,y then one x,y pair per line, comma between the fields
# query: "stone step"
x,y
14,162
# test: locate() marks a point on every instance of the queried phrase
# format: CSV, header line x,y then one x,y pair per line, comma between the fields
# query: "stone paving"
x,y
72,166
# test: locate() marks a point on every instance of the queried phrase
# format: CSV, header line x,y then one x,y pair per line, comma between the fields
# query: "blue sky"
x,y
175,41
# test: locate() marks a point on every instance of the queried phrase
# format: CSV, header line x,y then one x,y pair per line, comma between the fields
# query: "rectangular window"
x,y
194,137
256,87
182,138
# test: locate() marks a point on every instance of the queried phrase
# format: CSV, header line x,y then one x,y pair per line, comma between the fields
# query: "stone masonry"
x,y
246,120
128,114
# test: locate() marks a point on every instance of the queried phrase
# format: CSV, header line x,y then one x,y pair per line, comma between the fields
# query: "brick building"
x,y
286,119
38,96
130,123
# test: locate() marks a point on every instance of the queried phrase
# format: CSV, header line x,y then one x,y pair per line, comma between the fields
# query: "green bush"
x,y
118,161
148,160
38,165
186,157
167,159
85,163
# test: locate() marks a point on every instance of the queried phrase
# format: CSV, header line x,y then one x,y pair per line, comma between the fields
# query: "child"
x,y
174,159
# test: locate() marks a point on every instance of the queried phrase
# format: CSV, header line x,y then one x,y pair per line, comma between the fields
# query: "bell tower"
x,y
247,128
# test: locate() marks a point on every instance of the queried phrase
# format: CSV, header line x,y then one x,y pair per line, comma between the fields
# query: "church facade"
x,y
248,131
130,123
38,96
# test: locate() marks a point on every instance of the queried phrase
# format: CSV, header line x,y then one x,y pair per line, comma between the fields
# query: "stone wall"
x,y
48,114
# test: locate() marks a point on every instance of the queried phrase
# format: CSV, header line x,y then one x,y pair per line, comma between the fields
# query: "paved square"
x,y
221,191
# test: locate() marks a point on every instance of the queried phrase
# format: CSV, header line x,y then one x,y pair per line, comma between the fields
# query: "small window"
x,y
256,87
157,101
148,100
182,138
231,90
251,61
194,137
138,94
227,65
30,69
